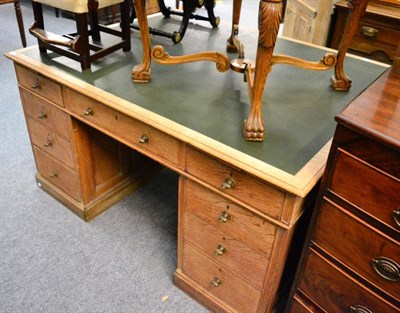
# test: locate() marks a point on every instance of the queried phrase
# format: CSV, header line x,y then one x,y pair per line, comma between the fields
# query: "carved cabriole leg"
x,y
270,14
357,8
230,45
142,72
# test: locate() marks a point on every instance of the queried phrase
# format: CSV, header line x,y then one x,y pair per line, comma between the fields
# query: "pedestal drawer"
x,y
44,112
135,133
336,291
220,281
238,184
56,173
228,217
365,250
39,85
225,249
51,142
366,187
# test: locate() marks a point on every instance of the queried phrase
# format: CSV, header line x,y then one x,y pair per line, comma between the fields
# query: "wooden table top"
x,y
205,108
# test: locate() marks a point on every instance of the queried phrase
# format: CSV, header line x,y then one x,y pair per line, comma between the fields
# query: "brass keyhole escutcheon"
x,y
143,139
224,217
228,183
36,85
216,282
88,112
220,250
53,174
42,115
48,143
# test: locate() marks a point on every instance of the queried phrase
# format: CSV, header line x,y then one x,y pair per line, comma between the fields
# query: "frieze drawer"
x,y
336,291
44,112
230,252
366,187
228,217
138,135
57,174
365,250
54,144
39,85
219,281
235,183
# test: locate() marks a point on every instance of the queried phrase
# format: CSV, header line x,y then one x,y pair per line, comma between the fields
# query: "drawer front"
x,y
219,281
335,291
139,135
372,37
39,85
360,247
367,188
51,142
44,112
228,217
244,187
56,173
297,306
225,249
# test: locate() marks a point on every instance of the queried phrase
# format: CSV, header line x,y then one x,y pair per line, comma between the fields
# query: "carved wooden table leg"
x,y
270,14
142,71
357,8
230,45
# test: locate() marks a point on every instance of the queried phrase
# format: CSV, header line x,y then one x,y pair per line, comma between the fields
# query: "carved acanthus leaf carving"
x,y
269,19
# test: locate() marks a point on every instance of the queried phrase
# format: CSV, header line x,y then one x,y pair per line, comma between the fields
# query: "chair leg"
x,y
38,16
84,49
94,25
125,25
20,22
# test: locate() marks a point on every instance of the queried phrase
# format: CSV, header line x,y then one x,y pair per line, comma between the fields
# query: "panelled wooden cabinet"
x,y
351,260
308,20
377,36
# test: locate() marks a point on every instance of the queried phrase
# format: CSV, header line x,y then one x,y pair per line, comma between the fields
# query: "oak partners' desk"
x,y
95,137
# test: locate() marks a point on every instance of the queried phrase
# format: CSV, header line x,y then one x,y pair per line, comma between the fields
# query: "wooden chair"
x,y
19,19
189,8
77,45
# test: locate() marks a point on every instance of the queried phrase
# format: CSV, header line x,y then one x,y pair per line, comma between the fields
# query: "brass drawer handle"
x,y
359,309
224,217
53,174
143,139
228,183
88,112
386,268
396,216
369,32
216,282
48,143
37,85
220,250
42,115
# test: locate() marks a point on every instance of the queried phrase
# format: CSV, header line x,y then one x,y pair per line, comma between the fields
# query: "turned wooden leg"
x,y
142,71
20,22
357,8
270,14
230,45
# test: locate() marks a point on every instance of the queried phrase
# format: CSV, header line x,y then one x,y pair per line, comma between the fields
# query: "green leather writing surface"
x,y
298,106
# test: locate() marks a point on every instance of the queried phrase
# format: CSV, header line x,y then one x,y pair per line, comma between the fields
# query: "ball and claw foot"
x,y
253,133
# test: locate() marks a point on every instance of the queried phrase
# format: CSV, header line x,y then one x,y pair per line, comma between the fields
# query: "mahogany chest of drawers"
x,y
378,34
351,260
